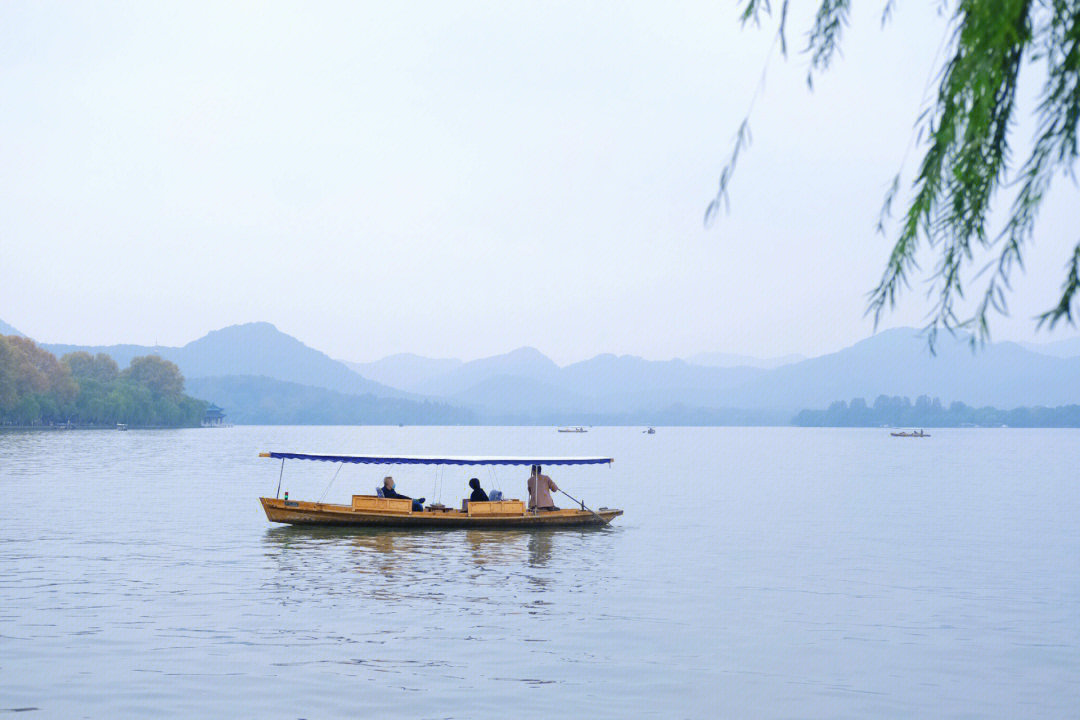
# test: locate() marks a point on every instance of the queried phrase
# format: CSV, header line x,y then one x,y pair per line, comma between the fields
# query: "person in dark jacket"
x,y
478,494
390,492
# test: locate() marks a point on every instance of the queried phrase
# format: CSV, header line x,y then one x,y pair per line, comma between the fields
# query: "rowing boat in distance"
x,y
902,433
375,511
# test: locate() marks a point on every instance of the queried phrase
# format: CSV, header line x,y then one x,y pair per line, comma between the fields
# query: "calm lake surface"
x,y
759,573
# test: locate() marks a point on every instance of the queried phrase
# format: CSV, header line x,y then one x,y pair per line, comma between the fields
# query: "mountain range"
x,y
257,400
262,375
893,362
525,385
1069,347
253,349
404,370
898,363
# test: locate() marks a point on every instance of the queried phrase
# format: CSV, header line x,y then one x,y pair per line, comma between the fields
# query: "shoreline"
x,y
58,428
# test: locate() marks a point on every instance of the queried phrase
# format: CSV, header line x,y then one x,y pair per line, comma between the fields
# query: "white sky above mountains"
x,y
459,179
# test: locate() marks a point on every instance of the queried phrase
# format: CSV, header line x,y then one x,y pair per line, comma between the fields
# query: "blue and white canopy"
x,y
438,459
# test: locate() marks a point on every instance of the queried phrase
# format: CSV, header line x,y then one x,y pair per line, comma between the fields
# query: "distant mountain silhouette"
x,y
263,375
1060,348
258,349
251,400
525,383
730,360
527,363
404,371
503,396
897,362
628,383
6,329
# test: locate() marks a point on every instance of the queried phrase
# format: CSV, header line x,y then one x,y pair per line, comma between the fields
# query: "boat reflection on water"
x,y
500,547
540,549
426,552
474,571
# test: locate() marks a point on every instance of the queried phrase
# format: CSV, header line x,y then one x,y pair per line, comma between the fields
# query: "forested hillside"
x,y
266,401
84,389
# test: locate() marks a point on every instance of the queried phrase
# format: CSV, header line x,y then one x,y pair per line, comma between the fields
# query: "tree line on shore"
x,y
930,412
36,388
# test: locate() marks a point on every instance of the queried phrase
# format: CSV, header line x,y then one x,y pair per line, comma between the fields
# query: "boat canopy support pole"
x,y
323,496
280,473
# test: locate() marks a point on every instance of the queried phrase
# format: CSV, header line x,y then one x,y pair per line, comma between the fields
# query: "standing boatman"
x,y
540,487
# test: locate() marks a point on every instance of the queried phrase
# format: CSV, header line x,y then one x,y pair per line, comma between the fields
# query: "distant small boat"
x,y
577,429
121,426
910,434
650,431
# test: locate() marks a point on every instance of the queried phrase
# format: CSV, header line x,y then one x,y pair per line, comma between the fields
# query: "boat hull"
x,y
325,514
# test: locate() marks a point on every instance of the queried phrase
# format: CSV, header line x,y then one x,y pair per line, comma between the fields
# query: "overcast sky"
x,y
458,179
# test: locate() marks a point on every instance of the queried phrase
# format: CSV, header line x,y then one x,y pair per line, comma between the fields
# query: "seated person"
x,y
389,491
478,494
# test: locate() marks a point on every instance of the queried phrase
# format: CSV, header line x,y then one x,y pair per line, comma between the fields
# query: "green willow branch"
x,y
965,134
722,200
966,161
1063,310
824,40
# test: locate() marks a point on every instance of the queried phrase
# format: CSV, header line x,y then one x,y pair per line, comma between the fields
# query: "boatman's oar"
x,y
606,522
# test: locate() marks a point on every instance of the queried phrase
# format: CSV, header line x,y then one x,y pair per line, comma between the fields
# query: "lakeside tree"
x,y
84,366
32,381
966,160
36,389
156,374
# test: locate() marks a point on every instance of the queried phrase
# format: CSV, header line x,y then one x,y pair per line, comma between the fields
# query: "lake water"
x,y
759,573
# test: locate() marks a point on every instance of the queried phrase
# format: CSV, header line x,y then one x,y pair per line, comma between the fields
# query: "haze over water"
x,y
766,572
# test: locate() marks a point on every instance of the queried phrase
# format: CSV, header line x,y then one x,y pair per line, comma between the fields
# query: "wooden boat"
x,y
577,429
375,511
910,434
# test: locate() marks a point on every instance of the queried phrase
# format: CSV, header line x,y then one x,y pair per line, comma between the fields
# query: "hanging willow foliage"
x,y
967,159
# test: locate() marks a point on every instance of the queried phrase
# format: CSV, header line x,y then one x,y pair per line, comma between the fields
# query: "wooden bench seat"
x,y
373,503
496,508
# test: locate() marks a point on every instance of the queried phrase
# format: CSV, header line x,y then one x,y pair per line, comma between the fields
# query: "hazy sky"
x,y
457,179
